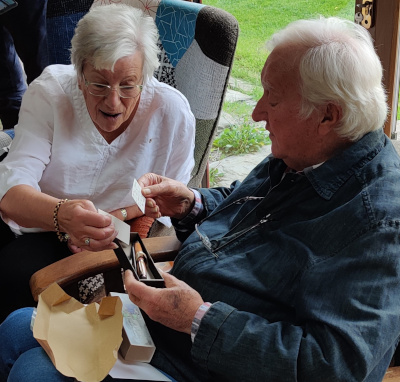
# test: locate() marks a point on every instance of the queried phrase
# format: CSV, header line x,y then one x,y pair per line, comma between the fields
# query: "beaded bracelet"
x,y
60,236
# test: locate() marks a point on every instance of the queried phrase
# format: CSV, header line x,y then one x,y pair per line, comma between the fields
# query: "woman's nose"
x,y
113,97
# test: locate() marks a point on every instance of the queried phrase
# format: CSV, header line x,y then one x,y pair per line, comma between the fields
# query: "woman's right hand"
x,y
166,197
86,228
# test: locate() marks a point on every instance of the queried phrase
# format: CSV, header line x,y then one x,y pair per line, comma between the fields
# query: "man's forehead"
x,y
279,63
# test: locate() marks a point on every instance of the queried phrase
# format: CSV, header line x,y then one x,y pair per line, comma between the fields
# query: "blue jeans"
x,y
23,34
21,356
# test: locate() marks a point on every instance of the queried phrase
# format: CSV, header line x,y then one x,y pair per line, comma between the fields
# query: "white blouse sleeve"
x,y
31,148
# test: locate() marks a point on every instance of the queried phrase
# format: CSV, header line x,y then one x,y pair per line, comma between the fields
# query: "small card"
x,y
122,228
137,195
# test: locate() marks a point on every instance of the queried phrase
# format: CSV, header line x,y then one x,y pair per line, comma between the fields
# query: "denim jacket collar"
x,y
329,177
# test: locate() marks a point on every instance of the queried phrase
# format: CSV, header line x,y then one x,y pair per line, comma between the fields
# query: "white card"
x,y
137,370
122,228
137,196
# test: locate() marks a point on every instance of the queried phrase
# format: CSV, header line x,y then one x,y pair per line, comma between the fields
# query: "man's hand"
x,y
173,306
166,197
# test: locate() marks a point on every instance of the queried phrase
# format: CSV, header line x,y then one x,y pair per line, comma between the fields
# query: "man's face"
x,y
293,138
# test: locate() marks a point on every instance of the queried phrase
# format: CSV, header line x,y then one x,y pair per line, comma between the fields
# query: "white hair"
x,y
337,64
108,33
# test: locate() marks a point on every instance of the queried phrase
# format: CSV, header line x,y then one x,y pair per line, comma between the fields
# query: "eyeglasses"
x,y
103,90
234,233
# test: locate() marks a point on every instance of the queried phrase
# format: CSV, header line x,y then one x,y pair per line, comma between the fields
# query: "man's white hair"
x,y
337,64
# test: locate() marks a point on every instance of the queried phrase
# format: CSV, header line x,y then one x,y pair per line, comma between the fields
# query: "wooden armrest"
x,y
85,264
392,374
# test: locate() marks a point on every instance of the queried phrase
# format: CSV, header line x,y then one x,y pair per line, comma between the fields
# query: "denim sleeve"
x,y
347,315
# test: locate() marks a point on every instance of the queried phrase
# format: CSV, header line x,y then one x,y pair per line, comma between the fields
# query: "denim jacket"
x,y
304,275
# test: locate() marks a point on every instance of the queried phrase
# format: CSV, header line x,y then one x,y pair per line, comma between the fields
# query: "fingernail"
x,y
146,191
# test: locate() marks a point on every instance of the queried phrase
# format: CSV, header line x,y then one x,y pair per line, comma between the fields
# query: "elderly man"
x,y
292,275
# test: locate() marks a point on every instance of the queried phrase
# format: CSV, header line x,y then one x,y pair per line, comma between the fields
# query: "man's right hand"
x,y
166,197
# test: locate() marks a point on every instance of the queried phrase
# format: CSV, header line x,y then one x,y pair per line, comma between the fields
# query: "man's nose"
x,y
258,115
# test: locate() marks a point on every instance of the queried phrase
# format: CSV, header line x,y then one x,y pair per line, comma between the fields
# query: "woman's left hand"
x,y
86,228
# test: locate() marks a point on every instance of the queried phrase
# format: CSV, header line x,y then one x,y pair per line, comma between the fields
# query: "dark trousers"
x,y
22,33
20,258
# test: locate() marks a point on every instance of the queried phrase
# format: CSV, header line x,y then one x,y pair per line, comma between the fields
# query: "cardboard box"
x,y
82,341
137,344
126,257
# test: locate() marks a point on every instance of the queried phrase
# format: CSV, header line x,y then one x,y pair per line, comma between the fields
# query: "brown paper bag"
x,y
82,341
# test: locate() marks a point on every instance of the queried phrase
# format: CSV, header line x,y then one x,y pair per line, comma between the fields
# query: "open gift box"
x,y
136,258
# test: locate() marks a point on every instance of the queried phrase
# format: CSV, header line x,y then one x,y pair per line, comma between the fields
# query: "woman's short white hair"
x,y
110,32
337,64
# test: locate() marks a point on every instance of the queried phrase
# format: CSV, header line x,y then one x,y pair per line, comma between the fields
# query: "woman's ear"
x,y
331,116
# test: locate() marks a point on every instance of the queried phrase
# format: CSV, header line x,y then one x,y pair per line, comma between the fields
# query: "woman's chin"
x,y
109,125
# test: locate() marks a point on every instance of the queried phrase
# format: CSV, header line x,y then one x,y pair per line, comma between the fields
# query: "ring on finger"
x,y
87,241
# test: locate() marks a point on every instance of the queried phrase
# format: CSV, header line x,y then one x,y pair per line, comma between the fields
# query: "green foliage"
x,y
241,139
241,109
215,176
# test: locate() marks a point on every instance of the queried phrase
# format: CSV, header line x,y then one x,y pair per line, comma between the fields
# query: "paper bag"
x,y
82,341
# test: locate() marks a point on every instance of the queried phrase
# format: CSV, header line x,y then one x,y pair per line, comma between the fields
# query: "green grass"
x,y
241,139
259,19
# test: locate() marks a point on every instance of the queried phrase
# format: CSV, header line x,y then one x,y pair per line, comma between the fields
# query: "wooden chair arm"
x,y
85,264
392,374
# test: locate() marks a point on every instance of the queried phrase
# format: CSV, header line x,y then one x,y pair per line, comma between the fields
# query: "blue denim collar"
x,y
329,177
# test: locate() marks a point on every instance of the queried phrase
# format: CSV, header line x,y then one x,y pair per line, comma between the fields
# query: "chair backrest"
x,y
197,48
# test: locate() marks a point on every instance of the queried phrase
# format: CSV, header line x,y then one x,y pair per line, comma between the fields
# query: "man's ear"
x,y
331,116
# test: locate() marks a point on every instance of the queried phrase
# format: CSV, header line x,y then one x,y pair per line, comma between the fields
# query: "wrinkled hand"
x,y
173,306
166,197
80,220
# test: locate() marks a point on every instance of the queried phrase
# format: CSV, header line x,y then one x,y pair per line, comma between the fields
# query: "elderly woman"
x,y
85,132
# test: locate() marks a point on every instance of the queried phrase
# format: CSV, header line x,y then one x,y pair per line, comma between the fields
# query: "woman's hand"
x,y
173,306
166,197
86,228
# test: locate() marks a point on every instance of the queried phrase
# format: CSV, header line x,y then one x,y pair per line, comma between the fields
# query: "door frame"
x,y
384,29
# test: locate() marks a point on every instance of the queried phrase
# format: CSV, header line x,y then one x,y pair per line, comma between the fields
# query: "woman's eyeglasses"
x,y
103,90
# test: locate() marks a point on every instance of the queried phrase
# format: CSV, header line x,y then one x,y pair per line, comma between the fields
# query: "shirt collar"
x,y
332,174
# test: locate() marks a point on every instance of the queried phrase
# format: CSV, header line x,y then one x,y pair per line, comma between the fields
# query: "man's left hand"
x,y
173,306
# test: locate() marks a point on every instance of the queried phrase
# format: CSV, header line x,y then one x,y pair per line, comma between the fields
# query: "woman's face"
x,y
112,114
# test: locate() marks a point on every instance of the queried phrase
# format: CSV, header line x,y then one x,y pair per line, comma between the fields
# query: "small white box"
x,y
137,344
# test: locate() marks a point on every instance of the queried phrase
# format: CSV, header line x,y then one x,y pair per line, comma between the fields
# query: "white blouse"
x,y
58,150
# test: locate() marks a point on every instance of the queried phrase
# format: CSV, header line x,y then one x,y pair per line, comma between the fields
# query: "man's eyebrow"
x,y
266,85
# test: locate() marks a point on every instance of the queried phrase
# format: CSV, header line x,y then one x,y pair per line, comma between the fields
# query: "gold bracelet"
x,y
60,236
